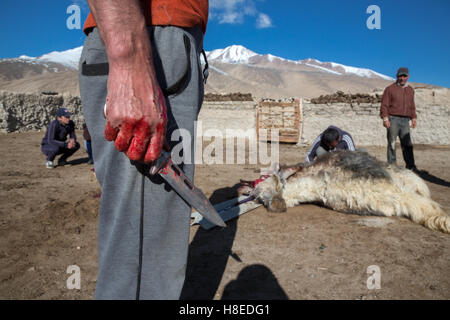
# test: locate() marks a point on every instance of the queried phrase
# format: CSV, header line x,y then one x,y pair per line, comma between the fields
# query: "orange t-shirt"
x,y
180,13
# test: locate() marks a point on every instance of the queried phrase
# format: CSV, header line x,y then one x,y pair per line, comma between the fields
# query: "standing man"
x,y
55,140
333,138
141,58
397,109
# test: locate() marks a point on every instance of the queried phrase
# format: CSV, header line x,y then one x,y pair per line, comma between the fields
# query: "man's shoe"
x,y
90,161
49,165
62,162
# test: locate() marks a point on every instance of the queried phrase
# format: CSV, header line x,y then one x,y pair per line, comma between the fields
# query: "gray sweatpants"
x,y
143,227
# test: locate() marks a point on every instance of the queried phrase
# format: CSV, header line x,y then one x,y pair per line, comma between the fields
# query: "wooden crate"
x,y
284,116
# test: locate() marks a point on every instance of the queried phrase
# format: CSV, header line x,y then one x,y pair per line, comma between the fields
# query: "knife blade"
x,y
175,177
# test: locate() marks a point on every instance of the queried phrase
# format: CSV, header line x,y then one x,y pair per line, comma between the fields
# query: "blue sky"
x,y
413,33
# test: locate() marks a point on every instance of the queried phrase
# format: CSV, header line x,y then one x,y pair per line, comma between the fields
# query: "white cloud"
x,y
231,18
236,11
263,21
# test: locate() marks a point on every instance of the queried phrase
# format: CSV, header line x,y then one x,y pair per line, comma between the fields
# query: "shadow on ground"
x,y
255,282
425,175
209,252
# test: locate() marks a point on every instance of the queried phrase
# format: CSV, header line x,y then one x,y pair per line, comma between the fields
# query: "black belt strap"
x,y
95,69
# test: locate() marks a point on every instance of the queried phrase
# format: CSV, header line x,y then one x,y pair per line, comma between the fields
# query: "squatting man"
x,y
55,140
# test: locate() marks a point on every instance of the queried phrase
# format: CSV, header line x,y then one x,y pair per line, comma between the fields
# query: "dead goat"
x,y
351,182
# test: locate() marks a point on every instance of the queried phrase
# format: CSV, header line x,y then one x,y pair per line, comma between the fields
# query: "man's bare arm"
x,y
136,110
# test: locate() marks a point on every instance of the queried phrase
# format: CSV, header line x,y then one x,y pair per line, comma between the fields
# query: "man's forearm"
x,y
384,113
73,135
413,109
136,114
385,103
122,28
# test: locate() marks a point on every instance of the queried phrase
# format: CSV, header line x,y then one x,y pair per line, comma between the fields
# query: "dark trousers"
x,y
400,128
88,146
52,151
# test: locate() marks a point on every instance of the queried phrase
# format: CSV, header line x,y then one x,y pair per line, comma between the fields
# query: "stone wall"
x,y
31,111
25,112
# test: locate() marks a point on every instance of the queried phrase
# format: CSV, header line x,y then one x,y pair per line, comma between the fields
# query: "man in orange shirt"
x,y
141,58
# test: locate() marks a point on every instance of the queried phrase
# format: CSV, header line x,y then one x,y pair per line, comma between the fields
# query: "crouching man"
x,y
55,139
333,138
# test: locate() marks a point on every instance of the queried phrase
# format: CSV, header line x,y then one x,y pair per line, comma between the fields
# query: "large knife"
x,y
175,177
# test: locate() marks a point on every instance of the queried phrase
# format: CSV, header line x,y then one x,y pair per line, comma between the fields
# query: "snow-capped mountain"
x,y
341,69
232,69
232,54
68,58
241,55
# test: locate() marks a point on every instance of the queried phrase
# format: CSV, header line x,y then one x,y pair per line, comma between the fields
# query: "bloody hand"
x,y
136,114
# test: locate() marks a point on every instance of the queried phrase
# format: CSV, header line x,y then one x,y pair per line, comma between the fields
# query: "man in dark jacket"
x,y
331,139
55,139
397,109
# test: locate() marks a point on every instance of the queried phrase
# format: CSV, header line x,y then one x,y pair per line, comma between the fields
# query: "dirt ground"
x,y
48,222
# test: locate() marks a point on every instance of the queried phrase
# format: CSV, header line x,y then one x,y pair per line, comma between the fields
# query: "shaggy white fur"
x,y
354,182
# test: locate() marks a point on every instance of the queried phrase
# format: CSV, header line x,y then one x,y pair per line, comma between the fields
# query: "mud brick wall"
x,y
26,112
364,124
362,121
21,112
223,115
